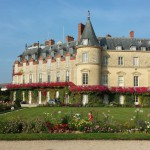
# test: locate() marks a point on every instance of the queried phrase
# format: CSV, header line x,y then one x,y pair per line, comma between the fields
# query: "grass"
x,y
79,136
119,114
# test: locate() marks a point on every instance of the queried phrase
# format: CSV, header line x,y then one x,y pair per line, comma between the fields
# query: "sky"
x,y
29,21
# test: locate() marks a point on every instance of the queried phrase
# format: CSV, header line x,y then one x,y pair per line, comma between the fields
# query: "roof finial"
x,y
88,15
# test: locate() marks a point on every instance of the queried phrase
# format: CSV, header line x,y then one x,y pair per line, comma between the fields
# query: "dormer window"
x,y
118,47
133,48
85,41
143,48
26,57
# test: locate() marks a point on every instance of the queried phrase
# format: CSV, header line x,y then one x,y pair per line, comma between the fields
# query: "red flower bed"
x,y
89,88
44,84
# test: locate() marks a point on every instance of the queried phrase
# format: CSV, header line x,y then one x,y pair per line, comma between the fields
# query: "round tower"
x,y
88,59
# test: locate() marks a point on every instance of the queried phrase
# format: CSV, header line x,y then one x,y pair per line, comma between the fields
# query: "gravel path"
x,y
75,145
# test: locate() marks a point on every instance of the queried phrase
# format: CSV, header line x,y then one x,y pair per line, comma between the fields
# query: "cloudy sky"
x,y
29,21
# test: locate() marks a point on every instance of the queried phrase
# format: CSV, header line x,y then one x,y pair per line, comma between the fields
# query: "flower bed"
x,y
70,123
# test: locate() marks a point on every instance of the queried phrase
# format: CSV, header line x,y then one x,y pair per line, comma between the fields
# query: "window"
x,y
135,61
58,62
136,100
30,78
85,41
67,76
67,61
105,79
49,63
136,81
120,60
85,99
40,77
26,57
85,78
119,48
48,78
57,77
120,81
23,79
105,60
84,57
33,56
133,48
143,48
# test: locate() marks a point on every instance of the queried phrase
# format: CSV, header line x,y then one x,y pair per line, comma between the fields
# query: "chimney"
x,y
108,35
69,39
131,34
50,42
80,30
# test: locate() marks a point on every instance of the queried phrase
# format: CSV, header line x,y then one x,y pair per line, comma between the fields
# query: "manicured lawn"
x,y
78,136
119,114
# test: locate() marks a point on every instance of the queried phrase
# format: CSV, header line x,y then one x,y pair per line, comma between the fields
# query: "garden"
x,y
75,123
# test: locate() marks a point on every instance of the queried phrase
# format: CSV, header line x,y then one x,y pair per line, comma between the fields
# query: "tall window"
x,y
67,61
40,77
58,62
23,79
57,77
30,78
48,63
85,78
120,60
67,76
105,60
105,79
84,57
135,61
136,81
48,78
120,81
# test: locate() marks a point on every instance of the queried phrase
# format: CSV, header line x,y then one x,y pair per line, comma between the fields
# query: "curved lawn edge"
x,y
77,136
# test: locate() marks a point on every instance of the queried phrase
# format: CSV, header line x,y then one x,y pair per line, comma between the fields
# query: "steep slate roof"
x,y
108,43
111,43
88,33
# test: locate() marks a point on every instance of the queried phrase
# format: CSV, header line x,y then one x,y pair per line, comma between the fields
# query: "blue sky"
x,y
29,21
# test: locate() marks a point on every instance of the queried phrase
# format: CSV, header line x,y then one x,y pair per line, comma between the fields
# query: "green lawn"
x,y
79,136
119,114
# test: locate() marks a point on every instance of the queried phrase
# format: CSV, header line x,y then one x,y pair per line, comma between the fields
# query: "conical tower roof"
x,y
89,35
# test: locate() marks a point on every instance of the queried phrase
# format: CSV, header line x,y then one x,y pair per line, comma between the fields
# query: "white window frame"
x,y
67,76
133,48
136,100
136,81
58,77
49,78
135,61
23,79
118,47
120,81
85,78
105,60
85,41
120,60
40,78
30,78
105,79
85,57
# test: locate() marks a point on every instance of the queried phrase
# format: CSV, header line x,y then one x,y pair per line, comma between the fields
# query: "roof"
x,y
88,33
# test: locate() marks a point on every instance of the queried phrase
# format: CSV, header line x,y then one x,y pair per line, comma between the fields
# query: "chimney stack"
x,y
69,39
80,30
50,42
131,34
108,35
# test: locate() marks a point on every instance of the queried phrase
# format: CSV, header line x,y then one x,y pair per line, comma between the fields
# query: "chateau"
x,y
100,65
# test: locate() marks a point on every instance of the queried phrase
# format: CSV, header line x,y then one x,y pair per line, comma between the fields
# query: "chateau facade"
x,y
89,61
